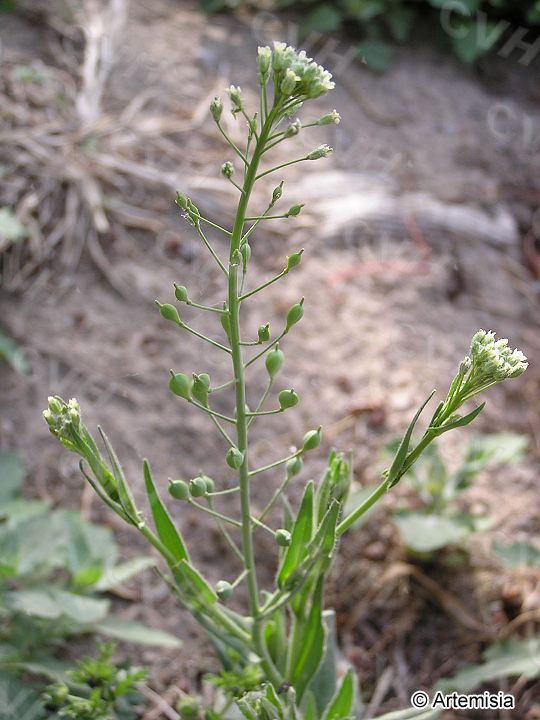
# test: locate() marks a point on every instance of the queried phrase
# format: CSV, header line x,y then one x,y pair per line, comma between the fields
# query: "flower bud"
x,y
197,487
274,362
235,93
321,152
276,195
465,366
179,385
224,589
199,388
179,490
283,537
181,200
294,467
54,405
293,129
263,333
279,57
294,210
264,60
288,84
227,169
294,315
246,254
193,212
333,118
294,260
287,399
181,293
234,458
216,108
169,312
312,439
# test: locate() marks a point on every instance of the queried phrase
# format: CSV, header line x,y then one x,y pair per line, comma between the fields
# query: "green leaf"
x,y
476,40
12,474
323,18
166,529
301,535
127,501
12,354
311,707
53,603
517,554
122,573
193,584
427,533
307,648
400,21
506,658
342,705
458,422
395,472
136,633
18,700
377,55
323,685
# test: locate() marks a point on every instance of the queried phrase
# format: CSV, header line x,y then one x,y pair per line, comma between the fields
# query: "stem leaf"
x,y
301,535
342,705
166,529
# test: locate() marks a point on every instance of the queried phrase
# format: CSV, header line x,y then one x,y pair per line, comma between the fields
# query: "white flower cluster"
x,y
62,417
493,361
295,74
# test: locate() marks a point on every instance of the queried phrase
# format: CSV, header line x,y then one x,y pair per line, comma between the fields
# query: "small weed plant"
x,y
278,657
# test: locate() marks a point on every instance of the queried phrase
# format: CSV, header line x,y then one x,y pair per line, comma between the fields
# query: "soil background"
x,y
389,311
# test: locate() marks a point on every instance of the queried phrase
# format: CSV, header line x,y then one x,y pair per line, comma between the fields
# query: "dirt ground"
x,y
390,308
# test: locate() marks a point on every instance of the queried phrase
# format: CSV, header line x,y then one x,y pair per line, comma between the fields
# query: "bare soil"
x,y
389,313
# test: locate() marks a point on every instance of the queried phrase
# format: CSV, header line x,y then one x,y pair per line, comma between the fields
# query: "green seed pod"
x,y
263,333
216,108
197,486
283,537
182,201
181,293
294,210
293,129
312,439
274,362
169,312
294,315
294,467
234,458
276,195
199,388
294,260
188,707
224,589
287,399
246,255
179,385
179,490
235,93
210,484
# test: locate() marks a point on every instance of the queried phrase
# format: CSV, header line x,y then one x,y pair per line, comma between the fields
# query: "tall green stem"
x,y
241,416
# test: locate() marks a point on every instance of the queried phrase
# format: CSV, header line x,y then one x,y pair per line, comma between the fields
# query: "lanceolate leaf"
x,y
137,633
307,648
301,535
342,705
166,529
192,583
394,473
459,422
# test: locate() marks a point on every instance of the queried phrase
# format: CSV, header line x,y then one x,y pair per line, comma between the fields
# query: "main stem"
x,y
241,416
